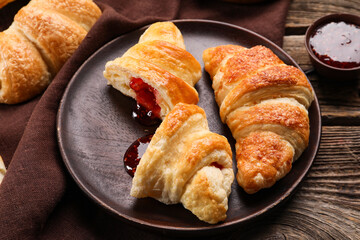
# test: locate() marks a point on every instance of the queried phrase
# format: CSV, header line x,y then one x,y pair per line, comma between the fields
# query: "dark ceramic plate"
x,y
95,128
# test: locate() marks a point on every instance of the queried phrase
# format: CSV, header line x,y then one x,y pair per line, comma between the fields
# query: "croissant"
x,y
187,163
3,3
264,103
2,169
44,34
157,72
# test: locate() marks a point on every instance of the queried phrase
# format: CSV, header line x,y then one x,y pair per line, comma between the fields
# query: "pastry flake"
x,y
2,169
186,163
160,63
42,37
264,102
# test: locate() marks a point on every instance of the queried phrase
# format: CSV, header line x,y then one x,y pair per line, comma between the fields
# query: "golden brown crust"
x,y
276,115
165,31
177,117
212,57
278,81
240,66
2,169
44,34
263,101
262,159
178,165
171,89
55,35
168,68
25,77
245,63
3,3
169,57
83,12
283,114
202,147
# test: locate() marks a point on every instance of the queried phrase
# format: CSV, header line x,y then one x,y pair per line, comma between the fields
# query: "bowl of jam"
x,y
333,44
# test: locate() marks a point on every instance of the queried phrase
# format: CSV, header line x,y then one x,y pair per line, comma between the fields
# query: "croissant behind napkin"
x,y
44,34
264,102
3,3
159,63
187,163
2,169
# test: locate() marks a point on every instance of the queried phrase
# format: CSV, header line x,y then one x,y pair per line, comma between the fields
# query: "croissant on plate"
x,y
43,35
157,72
264,103
187,163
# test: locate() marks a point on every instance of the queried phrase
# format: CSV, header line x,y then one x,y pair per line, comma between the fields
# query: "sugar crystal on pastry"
x,y
264,103
42,37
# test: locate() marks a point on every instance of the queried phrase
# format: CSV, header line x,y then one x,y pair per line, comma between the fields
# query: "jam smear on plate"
x,y
135,152
337,44
147,111
144,116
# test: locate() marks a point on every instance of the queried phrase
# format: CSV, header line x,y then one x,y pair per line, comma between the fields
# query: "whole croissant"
x,y
264,102
44,34
157,72
187,163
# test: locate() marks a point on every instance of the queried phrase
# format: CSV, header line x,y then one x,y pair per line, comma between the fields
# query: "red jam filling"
x,y
215,164
337,44
147,111
134,153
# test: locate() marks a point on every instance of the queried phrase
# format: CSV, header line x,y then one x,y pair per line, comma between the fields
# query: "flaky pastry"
x,y
43,36
264,102
186,163
3,3
158,71
2,169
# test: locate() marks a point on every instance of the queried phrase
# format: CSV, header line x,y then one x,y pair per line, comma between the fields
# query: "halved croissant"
x,y
264,102
44,34
187,163
160,66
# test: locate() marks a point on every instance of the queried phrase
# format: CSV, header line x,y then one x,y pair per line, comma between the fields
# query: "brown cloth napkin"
x,y
38,198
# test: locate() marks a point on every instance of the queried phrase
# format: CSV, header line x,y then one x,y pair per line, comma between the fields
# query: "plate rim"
x,y
185,230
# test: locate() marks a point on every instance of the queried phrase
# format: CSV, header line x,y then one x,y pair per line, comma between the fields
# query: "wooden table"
x,y
327,203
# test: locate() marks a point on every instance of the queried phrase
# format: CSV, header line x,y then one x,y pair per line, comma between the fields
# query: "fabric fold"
x,y
38,198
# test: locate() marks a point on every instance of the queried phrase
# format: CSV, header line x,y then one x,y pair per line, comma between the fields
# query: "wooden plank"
x,y
339,100
303,12
295,47
327,203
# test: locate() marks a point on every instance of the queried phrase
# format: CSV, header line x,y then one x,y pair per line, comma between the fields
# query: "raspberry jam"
x,y
134,153
145,117
147,111
215,164
337,44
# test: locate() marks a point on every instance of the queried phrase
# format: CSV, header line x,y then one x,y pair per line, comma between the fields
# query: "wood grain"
x,y
89,132
327,203
339,100
303,12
